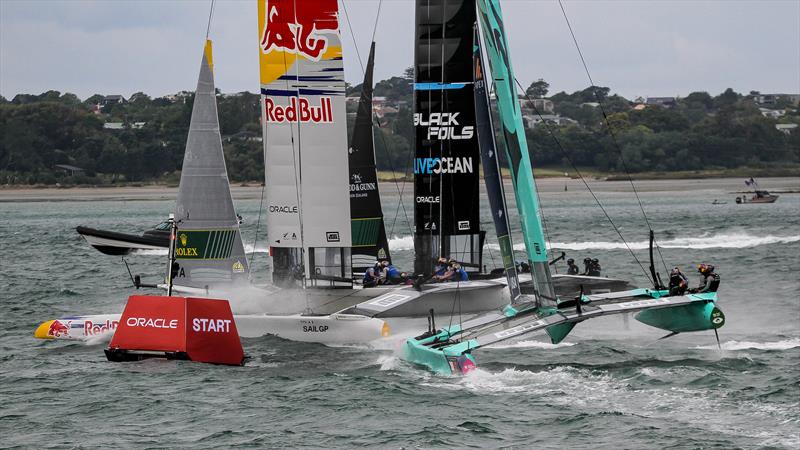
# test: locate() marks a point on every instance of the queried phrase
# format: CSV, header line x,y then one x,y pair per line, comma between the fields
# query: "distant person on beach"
x,y
678,283
572,268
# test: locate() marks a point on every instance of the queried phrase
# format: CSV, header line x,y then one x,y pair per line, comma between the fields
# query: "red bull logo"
x,y
299,26
299,109
91,328
58,329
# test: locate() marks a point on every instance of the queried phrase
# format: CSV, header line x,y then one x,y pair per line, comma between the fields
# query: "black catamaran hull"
x,y
114,243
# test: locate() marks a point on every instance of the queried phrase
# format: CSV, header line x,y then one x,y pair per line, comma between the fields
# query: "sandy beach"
x,y
545,185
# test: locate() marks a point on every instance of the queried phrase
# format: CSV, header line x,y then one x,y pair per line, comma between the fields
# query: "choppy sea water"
x,y
610,384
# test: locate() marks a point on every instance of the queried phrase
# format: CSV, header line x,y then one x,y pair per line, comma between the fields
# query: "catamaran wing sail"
x,y
305,139
516,145
446,205
491,171
368,229
209,248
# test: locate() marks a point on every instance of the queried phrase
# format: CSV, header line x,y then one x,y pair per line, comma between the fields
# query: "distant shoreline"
x,y
547,186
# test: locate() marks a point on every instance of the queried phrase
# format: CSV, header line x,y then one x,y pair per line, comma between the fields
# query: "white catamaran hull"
x,y
329,329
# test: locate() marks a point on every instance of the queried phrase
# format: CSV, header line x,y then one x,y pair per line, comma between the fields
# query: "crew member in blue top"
x,y
441,267
461,274
372,275
390,275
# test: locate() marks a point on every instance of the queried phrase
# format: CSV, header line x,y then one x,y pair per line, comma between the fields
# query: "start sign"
x,y
197,329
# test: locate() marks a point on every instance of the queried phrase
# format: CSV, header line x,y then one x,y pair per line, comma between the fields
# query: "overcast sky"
x,y
647,48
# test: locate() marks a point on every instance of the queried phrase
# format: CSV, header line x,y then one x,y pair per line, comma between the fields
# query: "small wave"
x,y
401,243
151,252
724,240
535,344
748,345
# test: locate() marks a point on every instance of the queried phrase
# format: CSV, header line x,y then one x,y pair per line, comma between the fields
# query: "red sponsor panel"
x,y
211,334
298,26
152,322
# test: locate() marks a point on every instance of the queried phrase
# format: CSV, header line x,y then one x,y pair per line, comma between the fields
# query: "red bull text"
x,y
299,109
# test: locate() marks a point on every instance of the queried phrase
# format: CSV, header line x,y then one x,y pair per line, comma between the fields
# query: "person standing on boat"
x,y
572,268
678,283
710,282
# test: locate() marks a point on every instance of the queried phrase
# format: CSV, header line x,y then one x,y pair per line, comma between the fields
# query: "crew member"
x,y
441,267
460,273
449,274
390,275
572,268
587,266
594,268
710,281
678,283
372,275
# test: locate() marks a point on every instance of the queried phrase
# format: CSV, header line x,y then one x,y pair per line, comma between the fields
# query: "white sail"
x,y
304,124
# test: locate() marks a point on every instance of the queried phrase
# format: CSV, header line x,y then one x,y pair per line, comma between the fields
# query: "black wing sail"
x,y
491,171
446,204
368,229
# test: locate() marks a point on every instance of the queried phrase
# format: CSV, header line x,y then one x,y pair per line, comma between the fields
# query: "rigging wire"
x,y
610,129
210,14
258,224
580,175
377,123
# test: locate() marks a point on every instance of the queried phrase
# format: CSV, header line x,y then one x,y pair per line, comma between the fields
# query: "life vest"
x,y
462,274
714,283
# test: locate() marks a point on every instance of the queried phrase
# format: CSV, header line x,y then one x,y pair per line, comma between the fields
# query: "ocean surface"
x,y
610,384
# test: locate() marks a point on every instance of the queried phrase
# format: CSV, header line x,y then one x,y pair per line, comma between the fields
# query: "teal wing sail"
x,y
491,21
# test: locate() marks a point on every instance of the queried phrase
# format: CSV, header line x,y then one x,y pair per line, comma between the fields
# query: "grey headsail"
x,y
208,247
491,171
368,229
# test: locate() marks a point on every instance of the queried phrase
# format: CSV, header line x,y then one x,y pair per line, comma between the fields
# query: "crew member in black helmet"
x,y
587,266
710,281
572,268
594,268
678,283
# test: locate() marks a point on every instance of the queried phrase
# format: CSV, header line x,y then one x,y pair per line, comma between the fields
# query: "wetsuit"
x,y
710,283
370,278
678,284
392,275
572,269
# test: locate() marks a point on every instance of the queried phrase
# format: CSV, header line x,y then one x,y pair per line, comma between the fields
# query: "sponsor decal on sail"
x,y
443,165
286,209
428,199
299,27
238,267
443,126
299,109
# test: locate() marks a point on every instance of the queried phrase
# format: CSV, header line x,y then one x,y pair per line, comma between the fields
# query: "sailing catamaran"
x,y
449,350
